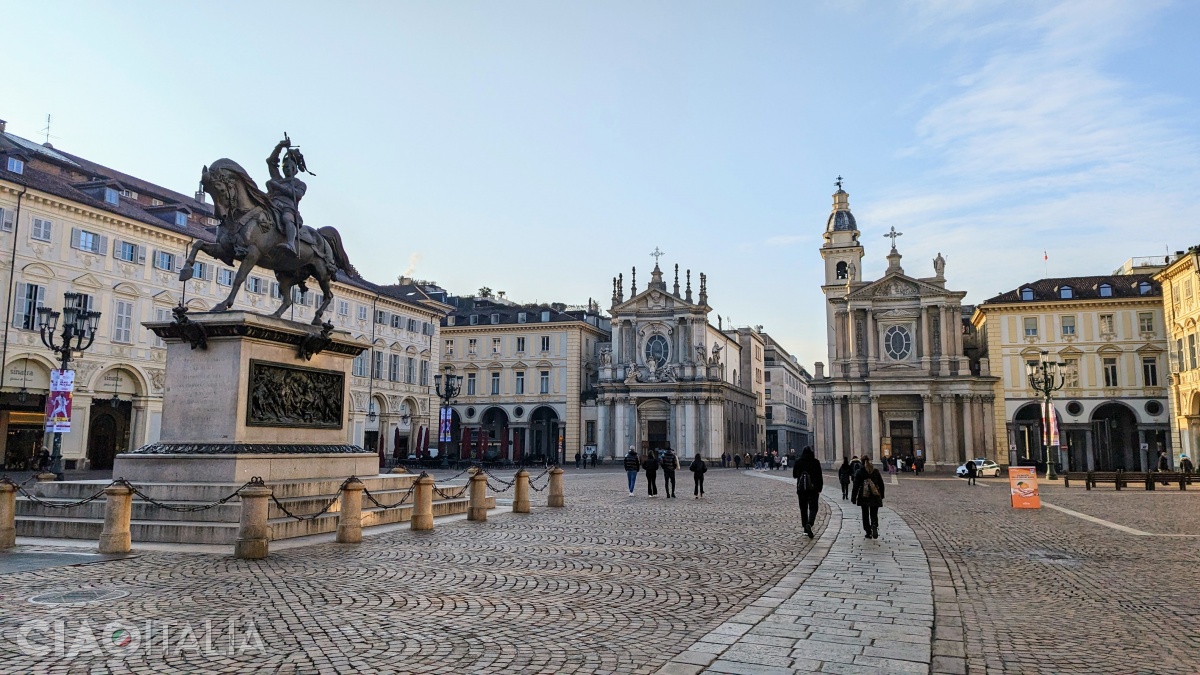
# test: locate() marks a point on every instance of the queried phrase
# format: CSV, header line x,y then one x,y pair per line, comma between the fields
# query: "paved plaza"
x,y
957,583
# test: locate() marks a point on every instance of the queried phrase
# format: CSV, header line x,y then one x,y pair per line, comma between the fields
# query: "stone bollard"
x,y
422,516
521,496
556,488
253,533
477,506
350,518
46,477
8,515
115,537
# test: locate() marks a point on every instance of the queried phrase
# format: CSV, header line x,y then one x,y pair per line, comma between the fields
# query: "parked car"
x,y
983,468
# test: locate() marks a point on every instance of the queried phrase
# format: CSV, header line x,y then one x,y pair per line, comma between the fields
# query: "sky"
x,y
541,148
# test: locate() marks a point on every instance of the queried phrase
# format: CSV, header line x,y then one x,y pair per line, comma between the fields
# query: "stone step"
x,y
211,492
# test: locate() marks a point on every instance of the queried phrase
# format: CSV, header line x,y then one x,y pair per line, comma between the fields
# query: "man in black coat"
x,y
807,473
669,463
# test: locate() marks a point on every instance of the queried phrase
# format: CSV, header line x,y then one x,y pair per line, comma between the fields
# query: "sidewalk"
x,y
853,605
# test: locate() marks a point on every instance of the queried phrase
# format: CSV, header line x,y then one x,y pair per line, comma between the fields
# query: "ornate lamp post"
x,y
79,325
447,389
1047,377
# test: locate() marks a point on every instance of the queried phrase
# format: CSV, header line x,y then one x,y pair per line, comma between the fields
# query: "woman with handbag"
x,y
868,494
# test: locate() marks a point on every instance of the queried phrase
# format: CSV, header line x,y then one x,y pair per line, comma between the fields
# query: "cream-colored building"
x,y
529,377
68,224
1180,281
1110,333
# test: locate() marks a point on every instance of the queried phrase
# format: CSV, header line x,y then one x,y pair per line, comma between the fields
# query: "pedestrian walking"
x,y
698,468
844,472
868,494
746,460
1186,466
809,482
737,462
578,459
972,471
632,466
594,454
855,467
669,464
920,465
650,464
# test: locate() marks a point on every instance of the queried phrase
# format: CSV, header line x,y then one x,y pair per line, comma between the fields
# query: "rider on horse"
x,y
285,190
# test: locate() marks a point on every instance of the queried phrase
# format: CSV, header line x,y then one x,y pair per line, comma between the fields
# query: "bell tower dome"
x,y
842,252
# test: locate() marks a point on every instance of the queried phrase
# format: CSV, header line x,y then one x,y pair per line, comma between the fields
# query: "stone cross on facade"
x,y
892,235
839,182
656,254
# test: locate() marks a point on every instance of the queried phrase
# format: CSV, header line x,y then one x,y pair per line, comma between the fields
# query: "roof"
x,y
508,314
1083,288
841,219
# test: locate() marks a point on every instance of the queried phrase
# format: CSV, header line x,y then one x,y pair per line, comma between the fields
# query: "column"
x,y
947,341
969,425
925,341
989,426
632,426
620,436
817,420
602,442
876,426
1087,444
950,455
927,434
871,338
838,444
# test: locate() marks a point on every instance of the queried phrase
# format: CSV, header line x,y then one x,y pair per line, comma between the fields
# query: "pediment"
x,y
1149,349
37,270
168,298
899,314
653,299
125,288
897,286
520,364
87,280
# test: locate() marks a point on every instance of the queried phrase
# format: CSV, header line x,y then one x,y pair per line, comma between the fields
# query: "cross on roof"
x,y
838,182
892,235
656,254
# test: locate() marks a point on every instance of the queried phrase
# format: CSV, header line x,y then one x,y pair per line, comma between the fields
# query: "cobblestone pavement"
x,y
1041,591
612,583
855,605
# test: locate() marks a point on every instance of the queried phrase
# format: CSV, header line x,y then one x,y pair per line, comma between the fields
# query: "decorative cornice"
x,y
248,449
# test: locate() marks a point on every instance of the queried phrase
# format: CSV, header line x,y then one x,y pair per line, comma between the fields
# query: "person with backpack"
x,y
669,464
868,495
972,471
698,467
632,466
737,462
650,464
809,482
844,474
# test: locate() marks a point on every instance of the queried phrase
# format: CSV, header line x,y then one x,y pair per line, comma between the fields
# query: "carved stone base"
x,y
239,468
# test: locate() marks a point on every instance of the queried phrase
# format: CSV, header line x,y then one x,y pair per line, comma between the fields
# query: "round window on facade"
x,y
518,411
1075,407
657,350
470,412
897,343
1153,407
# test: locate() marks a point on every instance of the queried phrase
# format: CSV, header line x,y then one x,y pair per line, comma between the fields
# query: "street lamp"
x,y
447,389
1047,377
79,324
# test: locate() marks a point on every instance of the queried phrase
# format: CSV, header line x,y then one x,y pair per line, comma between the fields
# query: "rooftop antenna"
x,y
46,131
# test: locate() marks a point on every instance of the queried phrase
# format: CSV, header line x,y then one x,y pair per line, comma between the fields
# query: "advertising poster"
x,y
58,403
1022,484
444,426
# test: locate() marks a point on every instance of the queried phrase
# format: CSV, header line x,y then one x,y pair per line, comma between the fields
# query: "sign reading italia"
x,y
1022,485
58,403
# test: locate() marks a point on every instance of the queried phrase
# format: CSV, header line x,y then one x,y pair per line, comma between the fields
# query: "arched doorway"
x,y
543,427
111,416
373,440
1028,436
654,423
1114,427
495,434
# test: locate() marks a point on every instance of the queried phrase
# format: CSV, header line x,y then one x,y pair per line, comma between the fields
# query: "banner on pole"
x,y
444,435
1022,485
58,403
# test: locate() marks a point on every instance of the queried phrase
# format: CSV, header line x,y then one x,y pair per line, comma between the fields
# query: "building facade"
x,y
1179,279
671,379
899,380
529,373
1109,331
788,400
69,224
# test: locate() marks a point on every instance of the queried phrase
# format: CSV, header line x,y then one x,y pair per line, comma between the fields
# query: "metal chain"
x,y
497,490
318,514
508,483
6,479
55,505
444,495
538,489
407,495
182,509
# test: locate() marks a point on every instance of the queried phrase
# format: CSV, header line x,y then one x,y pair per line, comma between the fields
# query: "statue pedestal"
x,y
247,404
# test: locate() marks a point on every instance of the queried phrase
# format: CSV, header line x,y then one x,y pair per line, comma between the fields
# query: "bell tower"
x,y
843,256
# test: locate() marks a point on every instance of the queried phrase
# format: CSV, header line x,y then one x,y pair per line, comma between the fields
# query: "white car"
x,y
983,467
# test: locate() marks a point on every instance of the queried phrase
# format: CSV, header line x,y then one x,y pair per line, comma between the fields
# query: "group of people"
x,y
861,483
908,463
668,462
762,460
581,460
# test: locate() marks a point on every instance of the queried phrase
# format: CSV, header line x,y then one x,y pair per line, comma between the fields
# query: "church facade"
x,y
900,382
669,378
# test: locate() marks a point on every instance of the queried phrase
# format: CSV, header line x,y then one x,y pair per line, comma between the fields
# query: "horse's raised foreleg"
x,y
327,294
285,290
244,271
212,249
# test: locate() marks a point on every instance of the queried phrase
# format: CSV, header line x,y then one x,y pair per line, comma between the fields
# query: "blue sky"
x,y
541,148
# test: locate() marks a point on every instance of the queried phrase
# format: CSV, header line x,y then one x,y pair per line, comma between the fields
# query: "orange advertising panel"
x,y
1022,484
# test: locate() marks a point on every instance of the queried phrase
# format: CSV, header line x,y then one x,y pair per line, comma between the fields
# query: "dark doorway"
x,y
1115,430
543,425
108,432
656,434
371,442
902,438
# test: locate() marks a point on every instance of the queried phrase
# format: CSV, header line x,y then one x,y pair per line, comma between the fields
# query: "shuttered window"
x,y
91,242
26,301
41,229
123,322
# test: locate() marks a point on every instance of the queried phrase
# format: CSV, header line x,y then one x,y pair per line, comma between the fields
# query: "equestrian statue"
x,y
265,229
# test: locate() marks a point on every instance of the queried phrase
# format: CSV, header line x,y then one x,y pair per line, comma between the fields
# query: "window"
x,y
129,252
520,383
164,261
495,318
1066,292
15,165
360,365
377,364
41,229
589,433
768,393
362,312
1068,325
520,345
225,277
1191,351
545,343
381,317
180,219
275,292
495,384
300,297
470,384
897,343
841,271
394,367
474,320
156,202
254,284
546,315
123,322
201,270
1110,372
412,325
410,374
88,241
471,343
495,345
1149,371
1105,290
521,317
129,194
343,308
1031,326
1146,322
1107,326
161,314
449,350
424,373
770,413
544,382
28,298
397,321
110,196
1144,288
1070,372
1179,362
6,220
657,350
1026,294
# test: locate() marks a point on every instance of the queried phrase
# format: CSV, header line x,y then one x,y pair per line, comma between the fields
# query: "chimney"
x,y
200,196
2,125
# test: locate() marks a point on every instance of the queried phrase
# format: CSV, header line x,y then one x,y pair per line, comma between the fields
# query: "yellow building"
x,y
69,224
1109,333
1180,281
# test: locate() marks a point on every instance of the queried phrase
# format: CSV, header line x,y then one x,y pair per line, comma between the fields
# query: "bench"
x,y
1122,479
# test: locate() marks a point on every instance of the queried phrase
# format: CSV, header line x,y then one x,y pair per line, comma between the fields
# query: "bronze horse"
x,y
248,232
